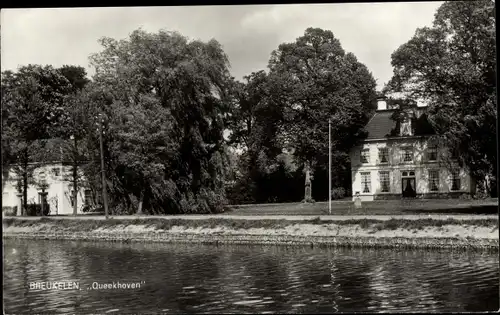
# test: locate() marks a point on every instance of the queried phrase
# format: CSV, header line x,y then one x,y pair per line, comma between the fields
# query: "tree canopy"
x,y
452,67
165,137
32,105
318,80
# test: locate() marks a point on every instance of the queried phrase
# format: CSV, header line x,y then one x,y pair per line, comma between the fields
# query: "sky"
x,y
248,33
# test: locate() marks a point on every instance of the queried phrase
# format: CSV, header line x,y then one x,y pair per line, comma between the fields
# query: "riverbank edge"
x,y
240,239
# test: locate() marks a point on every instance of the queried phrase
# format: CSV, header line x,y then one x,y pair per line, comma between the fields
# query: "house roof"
x,y
382,125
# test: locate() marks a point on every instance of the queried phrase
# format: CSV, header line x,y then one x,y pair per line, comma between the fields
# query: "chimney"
x,y
381,104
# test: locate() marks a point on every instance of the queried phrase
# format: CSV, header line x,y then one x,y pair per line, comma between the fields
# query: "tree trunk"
x,y
42,202
75,196
141,199
75,179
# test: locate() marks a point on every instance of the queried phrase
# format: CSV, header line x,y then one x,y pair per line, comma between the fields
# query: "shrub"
x,y
391,224
465,197
36,210
480,194
338,193
9,211
119,208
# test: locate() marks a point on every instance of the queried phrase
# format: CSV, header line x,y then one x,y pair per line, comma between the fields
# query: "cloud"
x,y
372,31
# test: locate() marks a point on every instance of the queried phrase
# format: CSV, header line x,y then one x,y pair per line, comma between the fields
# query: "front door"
x,y
408,187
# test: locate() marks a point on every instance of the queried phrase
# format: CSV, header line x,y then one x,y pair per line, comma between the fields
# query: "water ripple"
x,y
246,279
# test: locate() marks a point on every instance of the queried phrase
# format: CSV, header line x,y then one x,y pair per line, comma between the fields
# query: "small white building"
x,y
397,159
59,187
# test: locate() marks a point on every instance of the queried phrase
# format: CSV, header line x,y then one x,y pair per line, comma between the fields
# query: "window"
x,y
383,155
365,156
384,181
408,173
407,153
433,180
366,182
455,180
432,153
88,197
72,198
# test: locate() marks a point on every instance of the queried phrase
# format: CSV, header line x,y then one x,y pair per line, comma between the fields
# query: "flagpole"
x,y
329,167
103,174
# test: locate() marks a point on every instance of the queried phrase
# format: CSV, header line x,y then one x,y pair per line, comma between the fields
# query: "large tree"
x,y
312,80
32,102
164,143
452,67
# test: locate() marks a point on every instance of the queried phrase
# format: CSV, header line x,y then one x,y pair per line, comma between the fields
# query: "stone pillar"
x,y
357,201
19,204
308,186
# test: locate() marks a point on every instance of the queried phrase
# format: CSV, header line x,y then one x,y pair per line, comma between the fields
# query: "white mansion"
x,y
397,159
56,174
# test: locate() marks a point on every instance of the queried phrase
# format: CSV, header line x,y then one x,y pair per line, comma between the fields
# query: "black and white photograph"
x,y
250,158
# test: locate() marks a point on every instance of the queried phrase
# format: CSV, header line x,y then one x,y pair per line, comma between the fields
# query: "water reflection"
x,y
240,279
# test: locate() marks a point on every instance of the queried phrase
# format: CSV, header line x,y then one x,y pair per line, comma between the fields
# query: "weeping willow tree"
x,y
162,99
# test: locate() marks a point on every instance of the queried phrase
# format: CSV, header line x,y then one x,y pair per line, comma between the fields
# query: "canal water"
x,y
167,278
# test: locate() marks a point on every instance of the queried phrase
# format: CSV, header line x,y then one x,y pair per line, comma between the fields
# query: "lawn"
x,y
382,207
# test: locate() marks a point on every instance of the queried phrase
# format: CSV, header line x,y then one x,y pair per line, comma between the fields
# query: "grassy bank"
x,y
420,233
211,223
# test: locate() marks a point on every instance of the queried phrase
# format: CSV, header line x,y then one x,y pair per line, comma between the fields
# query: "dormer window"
x,y
406,126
